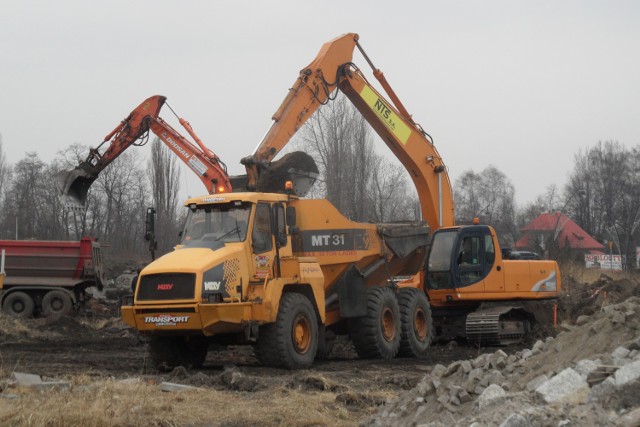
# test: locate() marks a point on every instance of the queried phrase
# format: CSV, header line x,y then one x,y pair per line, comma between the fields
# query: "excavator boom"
x,y
317,84
203,162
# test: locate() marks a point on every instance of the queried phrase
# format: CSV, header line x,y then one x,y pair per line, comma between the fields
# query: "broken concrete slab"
x,y
52,385
620,353
9,396
586,366
173,387
628,373
516,420
537,382
490,394
567,385
26,380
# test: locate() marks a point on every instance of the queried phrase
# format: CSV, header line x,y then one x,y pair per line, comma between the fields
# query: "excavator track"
x,y
501,325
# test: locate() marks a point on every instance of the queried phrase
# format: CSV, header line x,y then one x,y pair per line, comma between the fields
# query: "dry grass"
x,y
11,327
141,403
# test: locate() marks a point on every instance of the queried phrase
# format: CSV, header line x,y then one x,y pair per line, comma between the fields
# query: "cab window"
x,y
282,228
469,260
489,251
439,275
261,234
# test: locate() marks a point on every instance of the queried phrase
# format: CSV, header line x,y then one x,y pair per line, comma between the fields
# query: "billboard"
x,y
604,262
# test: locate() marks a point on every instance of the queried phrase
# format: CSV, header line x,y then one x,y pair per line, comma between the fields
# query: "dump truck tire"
x,y
415,323
18,304
167,353
292,341
56,304
377,335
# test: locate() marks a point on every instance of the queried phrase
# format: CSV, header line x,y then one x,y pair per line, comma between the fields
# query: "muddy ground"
x,y
96,344
343,390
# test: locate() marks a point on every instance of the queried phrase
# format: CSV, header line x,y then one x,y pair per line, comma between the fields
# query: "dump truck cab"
x,y
235,254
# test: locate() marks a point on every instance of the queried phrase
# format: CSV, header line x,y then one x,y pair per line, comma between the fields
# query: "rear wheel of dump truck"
x,y
18,304
416,325
291,342
377,335
56,303
168,352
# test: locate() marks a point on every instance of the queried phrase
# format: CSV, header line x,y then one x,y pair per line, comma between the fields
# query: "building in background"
x,y
556,236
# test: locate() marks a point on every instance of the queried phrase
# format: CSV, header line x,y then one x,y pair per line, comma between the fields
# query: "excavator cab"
x,y
460,257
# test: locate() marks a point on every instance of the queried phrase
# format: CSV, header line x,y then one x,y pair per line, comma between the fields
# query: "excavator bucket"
x,y
297,167
74,185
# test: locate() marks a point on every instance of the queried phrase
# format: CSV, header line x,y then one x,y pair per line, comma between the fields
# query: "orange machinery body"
x,y
507,279
228,286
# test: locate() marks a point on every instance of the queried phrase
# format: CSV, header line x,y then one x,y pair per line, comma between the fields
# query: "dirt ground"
x,y
95,347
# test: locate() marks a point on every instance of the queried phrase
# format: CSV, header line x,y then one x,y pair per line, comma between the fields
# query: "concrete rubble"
x,y
589,374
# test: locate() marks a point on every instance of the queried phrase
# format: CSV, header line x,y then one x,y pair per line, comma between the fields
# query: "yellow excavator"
x,y
261,265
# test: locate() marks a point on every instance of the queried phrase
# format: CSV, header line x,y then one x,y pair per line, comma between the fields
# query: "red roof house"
x,y
559,228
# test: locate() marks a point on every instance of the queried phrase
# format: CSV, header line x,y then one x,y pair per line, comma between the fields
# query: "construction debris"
x,y
587,375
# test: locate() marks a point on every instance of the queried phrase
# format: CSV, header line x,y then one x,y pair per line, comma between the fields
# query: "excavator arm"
x,y
317,84
135,127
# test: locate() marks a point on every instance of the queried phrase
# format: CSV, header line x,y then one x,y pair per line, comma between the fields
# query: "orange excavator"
x,y
134,130
472,289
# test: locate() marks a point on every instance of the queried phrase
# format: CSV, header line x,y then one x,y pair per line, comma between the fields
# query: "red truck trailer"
x,y
48,278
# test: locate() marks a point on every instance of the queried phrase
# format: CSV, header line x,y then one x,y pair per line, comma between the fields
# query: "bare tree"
x,y
608,177
490,196
117,217
5,177
164,177
339,138
4,170
390,197
547,202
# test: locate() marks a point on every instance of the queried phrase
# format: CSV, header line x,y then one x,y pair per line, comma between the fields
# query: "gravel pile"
x,y
589,374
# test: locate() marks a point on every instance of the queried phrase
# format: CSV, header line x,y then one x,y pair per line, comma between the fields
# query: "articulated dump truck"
x,y
279,272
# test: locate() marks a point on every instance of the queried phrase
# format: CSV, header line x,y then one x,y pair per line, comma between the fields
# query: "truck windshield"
x,y
210,226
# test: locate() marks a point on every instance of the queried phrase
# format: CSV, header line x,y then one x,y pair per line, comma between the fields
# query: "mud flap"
x,y
352,293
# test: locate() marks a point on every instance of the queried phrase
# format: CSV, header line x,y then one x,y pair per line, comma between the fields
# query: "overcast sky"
x,y
520,85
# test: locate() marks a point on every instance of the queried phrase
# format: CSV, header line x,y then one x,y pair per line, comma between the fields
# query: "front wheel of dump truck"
x,y
377,335
18,304
416,324
292,341
168,352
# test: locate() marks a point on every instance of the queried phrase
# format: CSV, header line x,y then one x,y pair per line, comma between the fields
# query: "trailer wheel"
x,y
377,335
56,303
18,304
169,352
292,341
416,325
